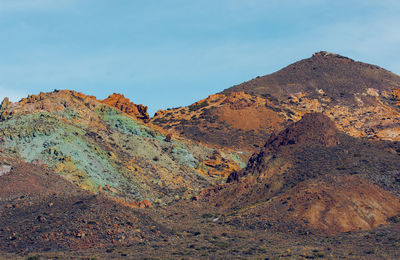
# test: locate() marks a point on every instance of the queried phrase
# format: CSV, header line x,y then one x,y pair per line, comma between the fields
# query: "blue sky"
x,y
170,53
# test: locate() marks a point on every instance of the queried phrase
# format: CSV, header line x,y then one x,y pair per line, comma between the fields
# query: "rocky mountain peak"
x,y
325,54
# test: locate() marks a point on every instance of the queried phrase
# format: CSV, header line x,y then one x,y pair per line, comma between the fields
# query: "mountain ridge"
x,y
108,145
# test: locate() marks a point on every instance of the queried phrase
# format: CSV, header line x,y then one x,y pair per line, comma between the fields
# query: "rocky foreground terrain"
x,y
300,164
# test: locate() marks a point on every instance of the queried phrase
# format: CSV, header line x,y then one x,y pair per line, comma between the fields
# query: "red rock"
x,y
147,204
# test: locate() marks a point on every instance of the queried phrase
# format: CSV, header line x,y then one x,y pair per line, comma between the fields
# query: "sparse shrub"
x,y
222,244
34,257
369,252
195,107
206,215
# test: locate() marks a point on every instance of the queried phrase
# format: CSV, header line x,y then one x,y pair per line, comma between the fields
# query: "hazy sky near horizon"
x,y
170,53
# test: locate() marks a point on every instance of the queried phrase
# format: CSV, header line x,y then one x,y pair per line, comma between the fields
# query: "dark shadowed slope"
x,y
322,174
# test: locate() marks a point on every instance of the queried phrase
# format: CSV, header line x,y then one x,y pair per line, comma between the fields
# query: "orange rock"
x,y
396,94
147,204
122,103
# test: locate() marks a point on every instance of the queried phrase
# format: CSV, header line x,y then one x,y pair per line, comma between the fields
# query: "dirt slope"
x,y
40,211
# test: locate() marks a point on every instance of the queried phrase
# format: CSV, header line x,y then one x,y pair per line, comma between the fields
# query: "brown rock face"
x,y
122,103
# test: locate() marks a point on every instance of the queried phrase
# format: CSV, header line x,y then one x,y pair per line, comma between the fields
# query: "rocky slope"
x,y
311,175
40,211
105,145
362,99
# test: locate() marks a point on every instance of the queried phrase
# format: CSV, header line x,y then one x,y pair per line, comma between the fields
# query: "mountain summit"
x,y
338,77
362,99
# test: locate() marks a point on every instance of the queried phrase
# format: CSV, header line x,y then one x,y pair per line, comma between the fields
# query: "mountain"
x,y
339,78
303,164
311,175
107,145
362,99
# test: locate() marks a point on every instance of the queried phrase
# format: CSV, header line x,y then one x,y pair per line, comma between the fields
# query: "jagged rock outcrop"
x,y
4,103
122,103
3,107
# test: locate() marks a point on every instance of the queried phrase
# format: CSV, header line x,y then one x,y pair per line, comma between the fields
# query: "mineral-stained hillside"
x,y
311,175
104,145
362,99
